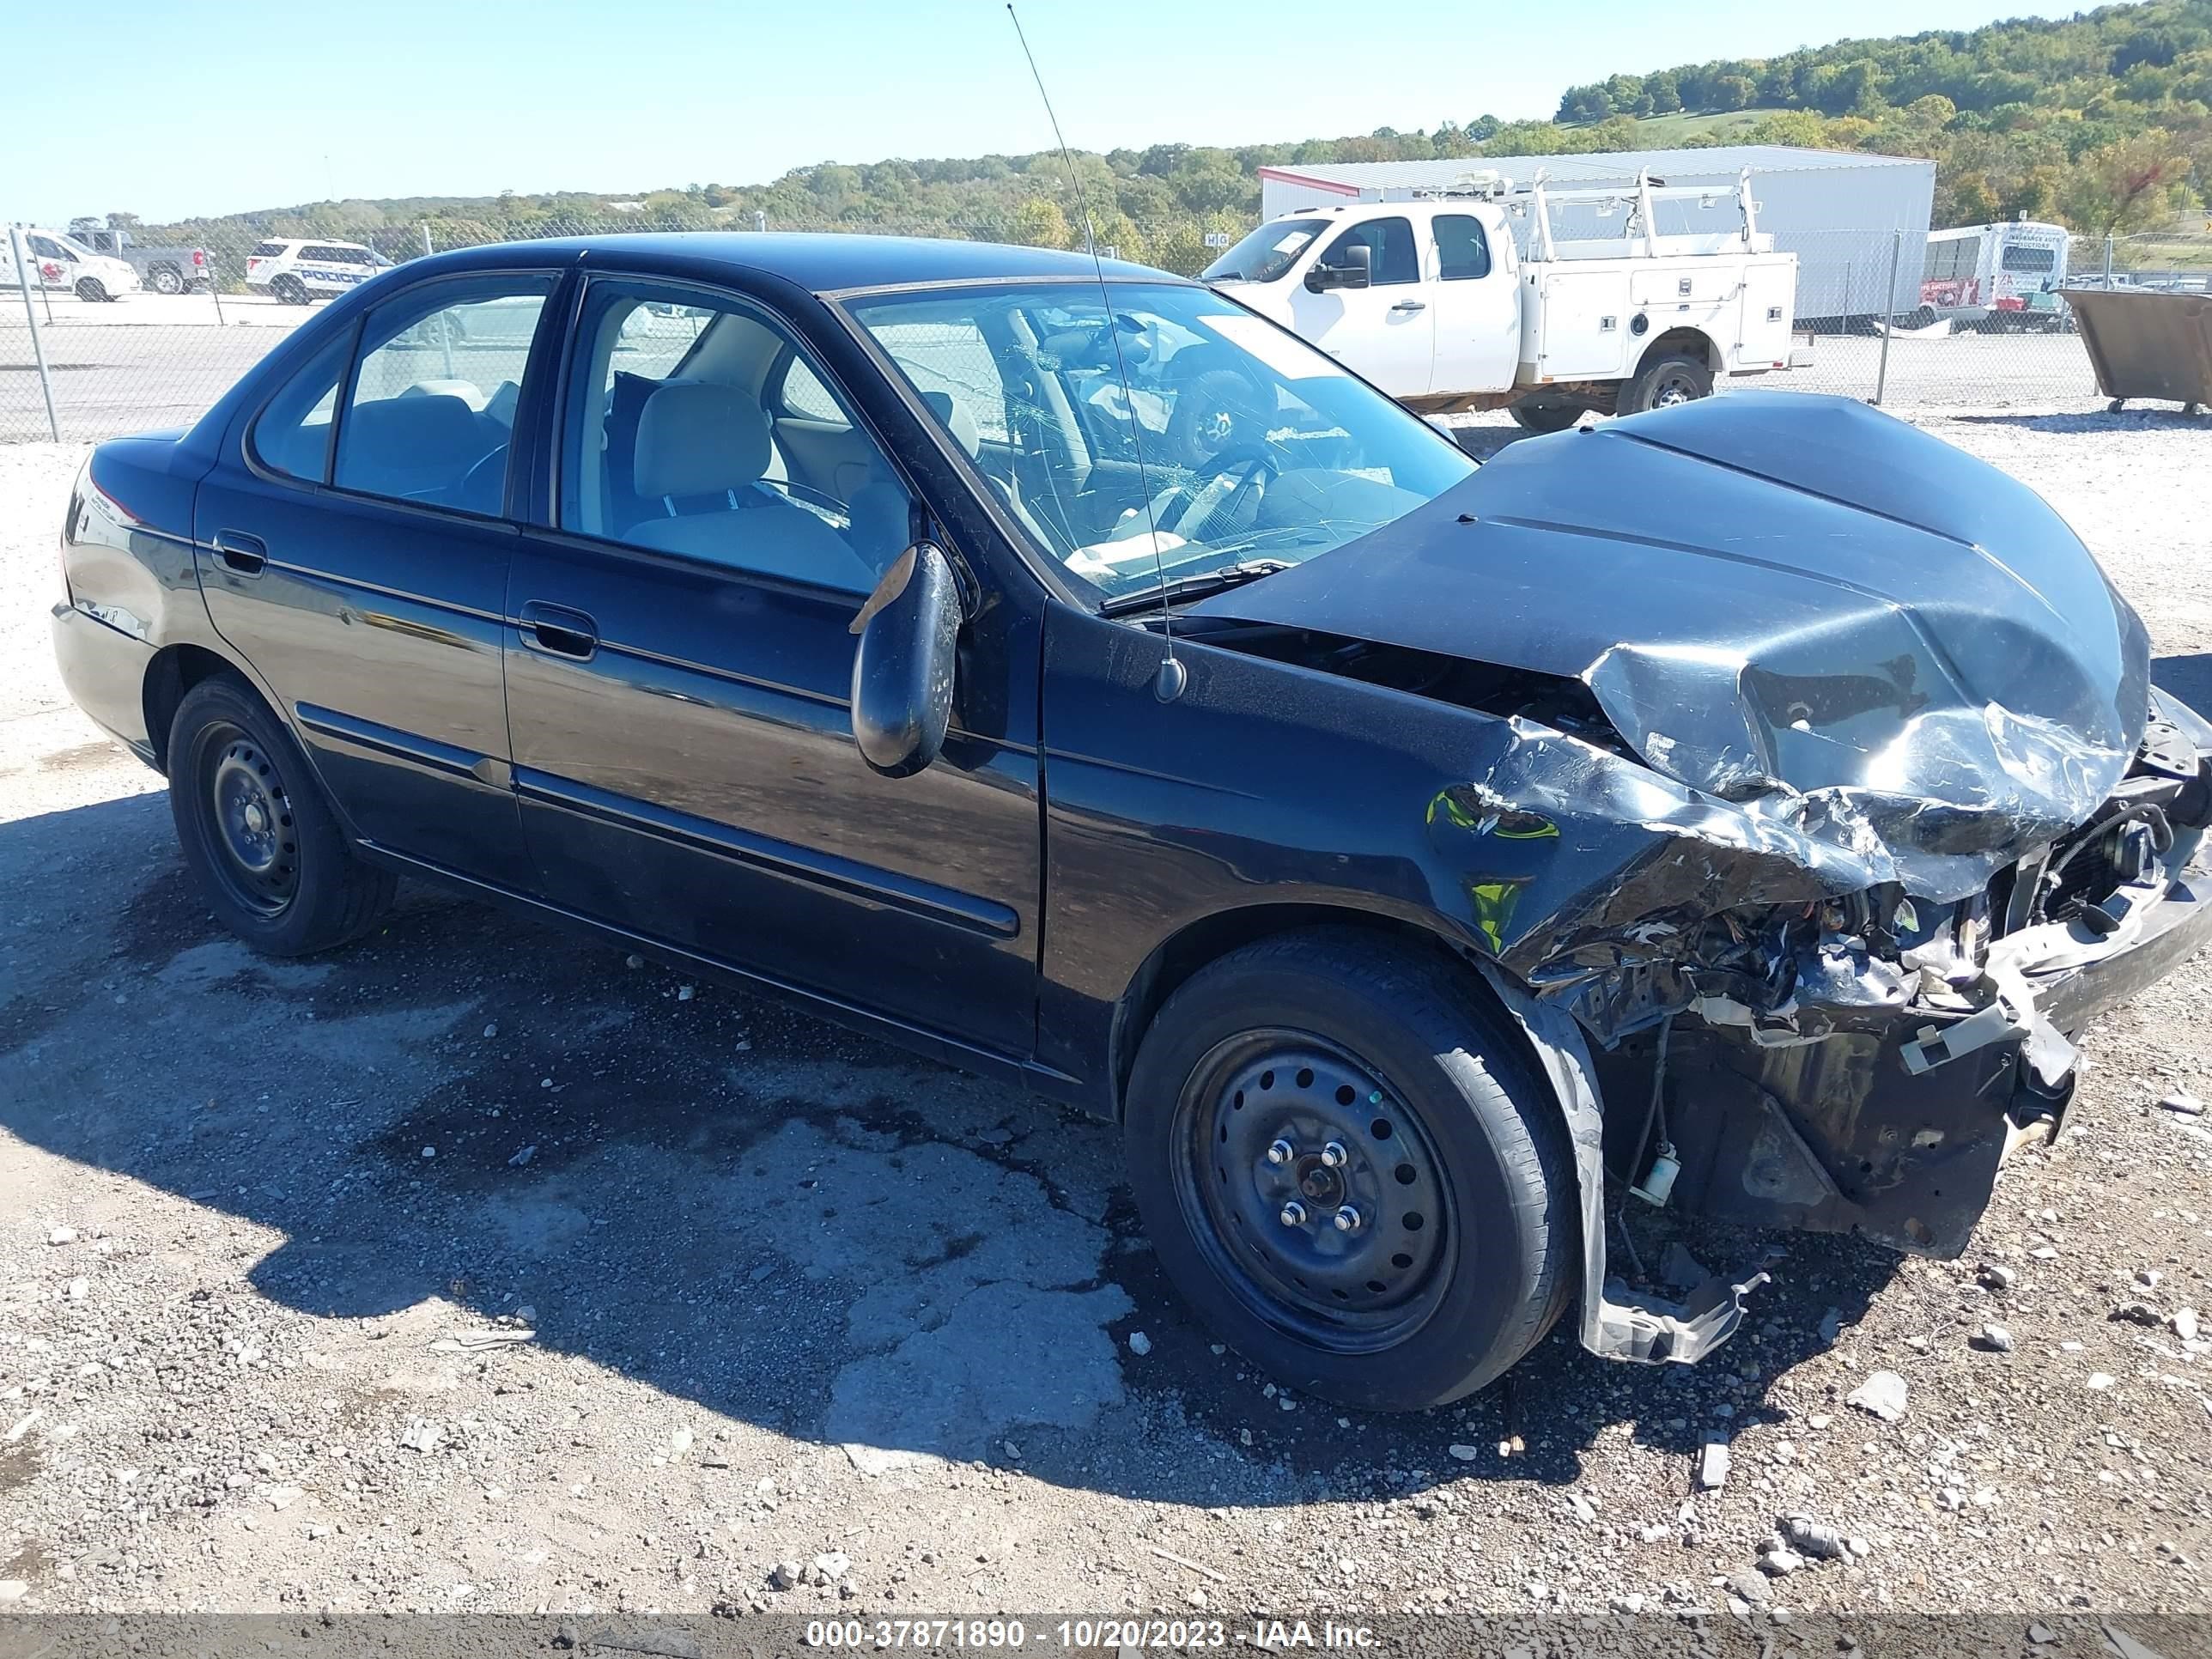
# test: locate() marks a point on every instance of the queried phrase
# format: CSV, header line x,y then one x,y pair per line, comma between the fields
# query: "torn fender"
x,y
1615,1324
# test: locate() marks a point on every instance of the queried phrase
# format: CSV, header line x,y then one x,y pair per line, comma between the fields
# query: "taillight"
x,y
62,541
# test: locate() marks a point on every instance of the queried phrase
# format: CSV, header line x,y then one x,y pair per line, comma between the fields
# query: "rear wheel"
x,y
1351,1172
257,832
1544,417
290,290
1671,378
165,279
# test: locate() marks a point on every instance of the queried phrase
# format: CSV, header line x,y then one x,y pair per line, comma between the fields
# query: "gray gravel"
x,y
764,1293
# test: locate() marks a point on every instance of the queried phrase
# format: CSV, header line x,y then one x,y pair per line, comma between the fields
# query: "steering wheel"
x,y
1238,471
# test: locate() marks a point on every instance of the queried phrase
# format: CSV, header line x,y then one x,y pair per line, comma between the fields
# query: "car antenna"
x,y
1169,682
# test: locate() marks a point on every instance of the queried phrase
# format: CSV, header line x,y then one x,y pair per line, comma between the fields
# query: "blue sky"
x,y
166,110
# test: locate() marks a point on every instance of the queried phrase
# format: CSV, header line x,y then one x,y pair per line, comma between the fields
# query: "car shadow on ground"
x,y
2134,418
739,1204
2188,677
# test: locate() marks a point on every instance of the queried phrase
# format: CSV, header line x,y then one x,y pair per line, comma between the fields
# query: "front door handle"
x,y
1411,306
248,556
559,631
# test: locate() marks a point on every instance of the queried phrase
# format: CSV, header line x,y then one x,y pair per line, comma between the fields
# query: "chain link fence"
x,y
92,348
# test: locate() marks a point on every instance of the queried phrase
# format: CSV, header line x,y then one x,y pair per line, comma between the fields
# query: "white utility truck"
x,y
1440,303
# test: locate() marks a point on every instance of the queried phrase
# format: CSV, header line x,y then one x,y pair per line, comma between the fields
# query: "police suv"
x,y
298,271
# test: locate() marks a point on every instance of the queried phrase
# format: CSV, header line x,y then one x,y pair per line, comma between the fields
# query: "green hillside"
x,y
2102,121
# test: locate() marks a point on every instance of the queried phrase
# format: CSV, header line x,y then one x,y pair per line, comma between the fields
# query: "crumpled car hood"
x,y
1798,604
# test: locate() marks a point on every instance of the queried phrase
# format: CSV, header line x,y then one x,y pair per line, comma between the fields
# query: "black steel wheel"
x,y
269,854
1318,1195
1349,1170
1672,377
255,833
92,290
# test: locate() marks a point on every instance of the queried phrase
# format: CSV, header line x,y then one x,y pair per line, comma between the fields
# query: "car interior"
x,y
704,433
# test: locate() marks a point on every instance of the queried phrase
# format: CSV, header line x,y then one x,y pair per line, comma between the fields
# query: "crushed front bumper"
x,y
1889,1123
1893,1122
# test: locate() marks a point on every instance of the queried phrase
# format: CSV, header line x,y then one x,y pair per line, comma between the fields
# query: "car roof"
x,y
829,263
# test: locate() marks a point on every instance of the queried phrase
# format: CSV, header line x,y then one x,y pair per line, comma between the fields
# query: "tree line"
x,y
2101,121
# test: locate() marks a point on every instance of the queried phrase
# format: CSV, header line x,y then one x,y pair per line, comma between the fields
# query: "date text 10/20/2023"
x,y
1163,1635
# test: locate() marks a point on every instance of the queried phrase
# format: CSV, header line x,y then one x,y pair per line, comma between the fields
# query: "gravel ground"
x,y
480,1267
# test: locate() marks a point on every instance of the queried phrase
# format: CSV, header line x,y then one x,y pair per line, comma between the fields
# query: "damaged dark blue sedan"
x,y
1072,675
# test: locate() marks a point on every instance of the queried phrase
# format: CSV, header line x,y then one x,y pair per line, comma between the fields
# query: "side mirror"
x,y
1353,267
903,669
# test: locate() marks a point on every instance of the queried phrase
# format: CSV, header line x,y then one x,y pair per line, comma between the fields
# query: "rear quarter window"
x,y
292,433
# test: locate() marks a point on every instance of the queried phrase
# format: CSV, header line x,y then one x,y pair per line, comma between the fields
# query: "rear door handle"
x,y
559,631
1411,305
248,556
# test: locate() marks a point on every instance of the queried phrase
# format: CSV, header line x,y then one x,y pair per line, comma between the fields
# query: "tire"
x,y
1545,417
1395,1061
165,279
257,832
93,291
1672,377
1212,415
290,290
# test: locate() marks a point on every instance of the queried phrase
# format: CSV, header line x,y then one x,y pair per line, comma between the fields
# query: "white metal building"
x,y
1841,212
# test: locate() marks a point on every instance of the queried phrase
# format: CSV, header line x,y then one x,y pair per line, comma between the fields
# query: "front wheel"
x,y
256,831
92,290
1672,378
1350,1170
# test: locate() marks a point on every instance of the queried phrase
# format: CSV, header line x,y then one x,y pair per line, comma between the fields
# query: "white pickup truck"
x,y
1438,303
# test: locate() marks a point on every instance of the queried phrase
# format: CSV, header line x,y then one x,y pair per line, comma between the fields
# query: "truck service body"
x,y
1445,308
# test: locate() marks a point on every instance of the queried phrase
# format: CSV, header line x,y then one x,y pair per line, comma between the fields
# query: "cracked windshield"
x,y
1180,439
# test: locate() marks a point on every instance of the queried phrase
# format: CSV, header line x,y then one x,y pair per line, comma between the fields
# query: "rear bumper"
x,y
104,671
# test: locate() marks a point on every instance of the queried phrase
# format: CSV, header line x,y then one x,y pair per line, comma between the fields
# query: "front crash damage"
x,y
1806,828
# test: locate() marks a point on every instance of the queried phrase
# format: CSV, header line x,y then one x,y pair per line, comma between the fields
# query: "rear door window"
x,y
1462,250
430,411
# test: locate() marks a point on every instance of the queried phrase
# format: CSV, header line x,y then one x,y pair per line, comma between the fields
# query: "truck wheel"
x,y
290,290
256,831
92,291
1671,378
1216,412
1544,417
1350,1170
165,279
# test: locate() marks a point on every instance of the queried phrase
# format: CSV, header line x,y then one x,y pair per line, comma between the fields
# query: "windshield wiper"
x,y
1198,586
